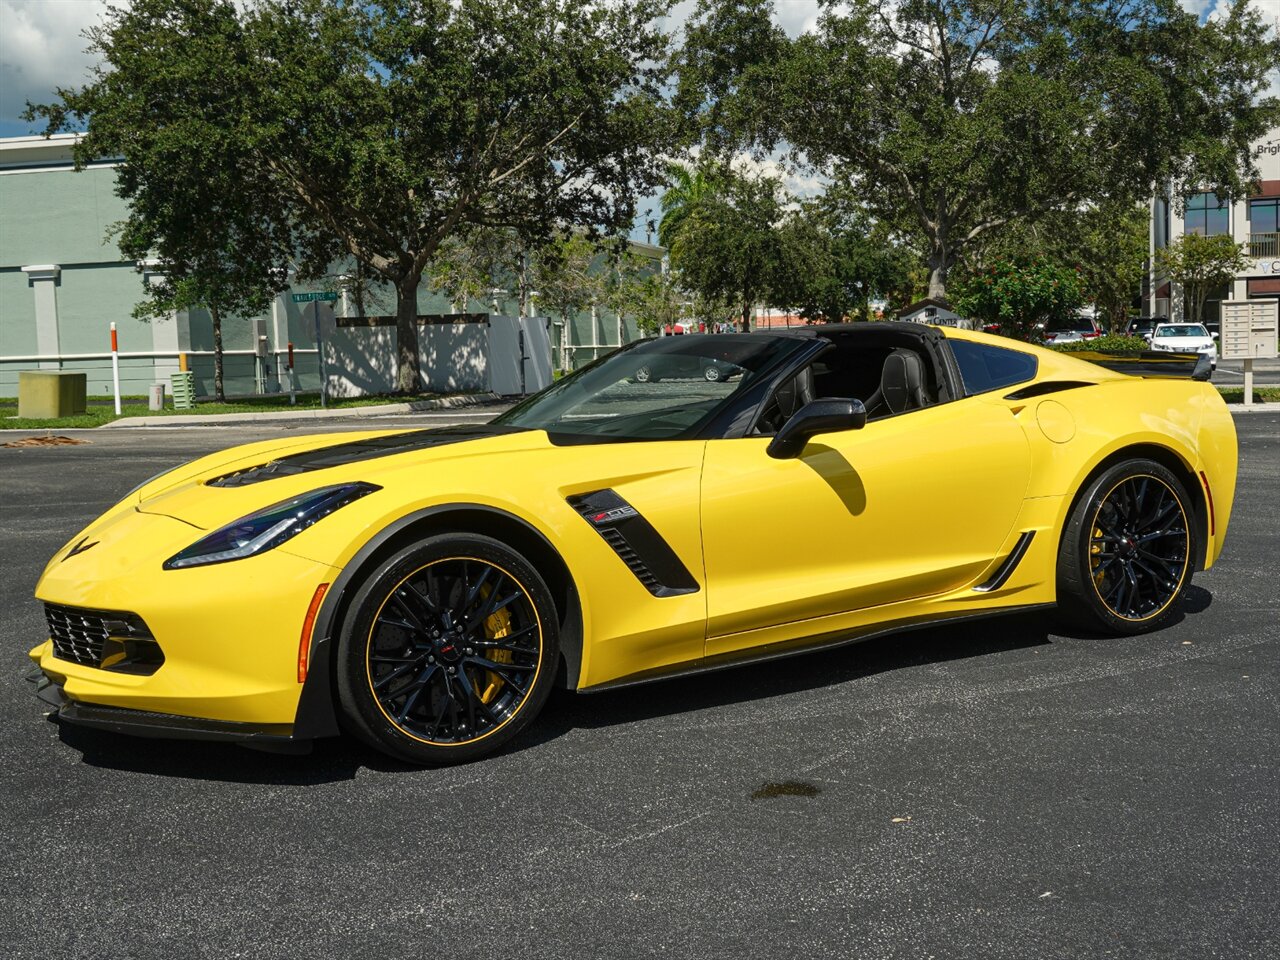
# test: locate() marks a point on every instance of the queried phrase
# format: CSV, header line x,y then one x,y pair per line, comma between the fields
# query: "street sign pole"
x,y
316,298
324,370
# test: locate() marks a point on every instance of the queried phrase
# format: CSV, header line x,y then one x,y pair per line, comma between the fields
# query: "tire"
x,y
449,651
644,375
712,374
1127,551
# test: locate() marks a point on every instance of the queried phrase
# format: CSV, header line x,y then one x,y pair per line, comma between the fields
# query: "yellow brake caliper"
x,y
1095,558
496,626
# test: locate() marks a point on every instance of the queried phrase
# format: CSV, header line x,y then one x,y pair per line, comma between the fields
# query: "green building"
x,y
63,283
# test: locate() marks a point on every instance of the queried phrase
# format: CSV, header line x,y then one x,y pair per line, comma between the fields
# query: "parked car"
x,y
426,589
1144,326
678,367
1186,338
1071,329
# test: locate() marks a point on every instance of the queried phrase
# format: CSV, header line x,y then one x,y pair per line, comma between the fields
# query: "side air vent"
x,y
1005,570
1048,386
636,542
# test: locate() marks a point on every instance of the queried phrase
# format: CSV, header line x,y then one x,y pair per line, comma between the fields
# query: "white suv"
x,y
1185,338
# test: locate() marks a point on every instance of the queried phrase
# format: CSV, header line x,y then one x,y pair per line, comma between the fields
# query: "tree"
x,y
199,204
729,246
567,278
385,127
1107,243
835,260
1020,297
686,188
653,297
1201,264
957,118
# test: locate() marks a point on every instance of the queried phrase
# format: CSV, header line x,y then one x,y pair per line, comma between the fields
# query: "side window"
x,y
985,367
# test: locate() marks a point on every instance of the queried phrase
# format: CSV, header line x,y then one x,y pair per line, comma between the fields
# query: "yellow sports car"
x,y
425,590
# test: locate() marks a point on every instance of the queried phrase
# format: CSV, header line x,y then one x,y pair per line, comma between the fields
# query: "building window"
x,y
1264,224
1162,223
1207,215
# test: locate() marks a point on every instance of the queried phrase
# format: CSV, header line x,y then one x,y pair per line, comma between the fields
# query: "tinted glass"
x,y
1207,215
1264,215
658,390
1182,330
985,367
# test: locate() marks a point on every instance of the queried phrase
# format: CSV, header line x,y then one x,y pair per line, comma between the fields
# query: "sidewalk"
x,y
381,410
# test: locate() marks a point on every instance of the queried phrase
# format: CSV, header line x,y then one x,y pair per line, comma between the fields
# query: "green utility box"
x,y
50,394
184,390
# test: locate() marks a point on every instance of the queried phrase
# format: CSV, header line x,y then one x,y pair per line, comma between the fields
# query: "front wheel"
x,y
449,651
712,374
1126,554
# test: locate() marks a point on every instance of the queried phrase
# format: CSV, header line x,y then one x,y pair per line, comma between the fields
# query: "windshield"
x,y
661,389
1182,330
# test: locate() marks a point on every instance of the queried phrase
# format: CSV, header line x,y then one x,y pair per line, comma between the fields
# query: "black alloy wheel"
x,y
1127,551
450,651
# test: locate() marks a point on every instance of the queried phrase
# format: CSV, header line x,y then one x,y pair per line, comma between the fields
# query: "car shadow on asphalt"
x,y
339,759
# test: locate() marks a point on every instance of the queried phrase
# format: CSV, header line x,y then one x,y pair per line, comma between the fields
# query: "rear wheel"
x,y
712,373
1126,553
644,375
449,651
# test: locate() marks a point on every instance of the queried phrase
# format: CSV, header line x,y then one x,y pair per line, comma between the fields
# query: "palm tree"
x,y
689,186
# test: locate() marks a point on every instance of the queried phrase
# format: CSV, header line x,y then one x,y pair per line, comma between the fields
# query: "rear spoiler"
x,y
1151,363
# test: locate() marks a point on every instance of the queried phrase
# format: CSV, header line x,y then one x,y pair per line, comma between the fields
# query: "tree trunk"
x,y
942,257
407,368
216,315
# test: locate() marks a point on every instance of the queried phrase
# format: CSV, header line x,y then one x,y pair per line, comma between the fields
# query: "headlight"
x,y
268,528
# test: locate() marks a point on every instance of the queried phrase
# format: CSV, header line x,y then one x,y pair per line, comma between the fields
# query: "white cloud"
x,y
794,16
42,47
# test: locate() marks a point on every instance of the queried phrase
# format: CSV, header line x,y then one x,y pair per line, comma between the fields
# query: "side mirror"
x,y
1215,336
815,417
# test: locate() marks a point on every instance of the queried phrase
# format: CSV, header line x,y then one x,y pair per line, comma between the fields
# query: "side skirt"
x,y
792,648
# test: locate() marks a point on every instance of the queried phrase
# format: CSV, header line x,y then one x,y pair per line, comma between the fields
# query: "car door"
x,y
909,506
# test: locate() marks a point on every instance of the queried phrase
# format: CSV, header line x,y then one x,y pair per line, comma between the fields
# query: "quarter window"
x,y
984,367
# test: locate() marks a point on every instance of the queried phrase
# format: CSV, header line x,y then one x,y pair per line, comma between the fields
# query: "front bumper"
x,y
164,726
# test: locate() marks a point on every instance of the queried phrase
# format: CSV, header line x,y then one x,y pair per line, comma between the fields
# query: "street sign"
x,y
312,297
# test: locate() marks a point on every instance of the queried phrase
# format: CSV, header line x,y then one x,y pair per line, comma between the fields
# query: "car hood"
x,y
226,486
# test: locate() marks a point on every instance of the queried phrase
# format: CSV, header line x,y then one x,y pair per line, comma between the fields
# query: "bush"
x,y
1111,343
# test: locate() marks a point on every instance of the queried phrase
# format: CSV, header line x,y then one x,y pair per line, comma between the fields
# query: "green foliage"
x,y
1020,296
382,128
729,247
1201,264
568,274
686,188
1108,343
1107,242
835,260
957,118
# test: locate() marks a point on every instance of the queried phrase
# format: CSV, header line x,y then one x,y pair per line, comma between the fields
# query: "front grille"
x,y
82,636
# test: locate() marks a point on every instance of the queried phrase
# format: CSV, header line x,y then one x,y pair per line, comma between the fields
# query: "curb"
x,y
381,410
1241,409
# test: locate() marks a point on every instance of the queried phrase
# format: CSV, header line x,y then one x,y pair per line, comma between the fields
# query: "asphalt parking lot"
x,y
985,791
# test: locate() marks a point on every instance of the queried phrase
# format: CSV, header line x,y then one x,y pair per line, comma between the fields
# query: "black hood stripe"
x,y
357,451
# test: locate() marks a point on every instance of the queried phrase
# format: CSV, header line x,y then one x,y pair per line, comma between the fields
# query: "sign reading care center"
x,y
312,297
